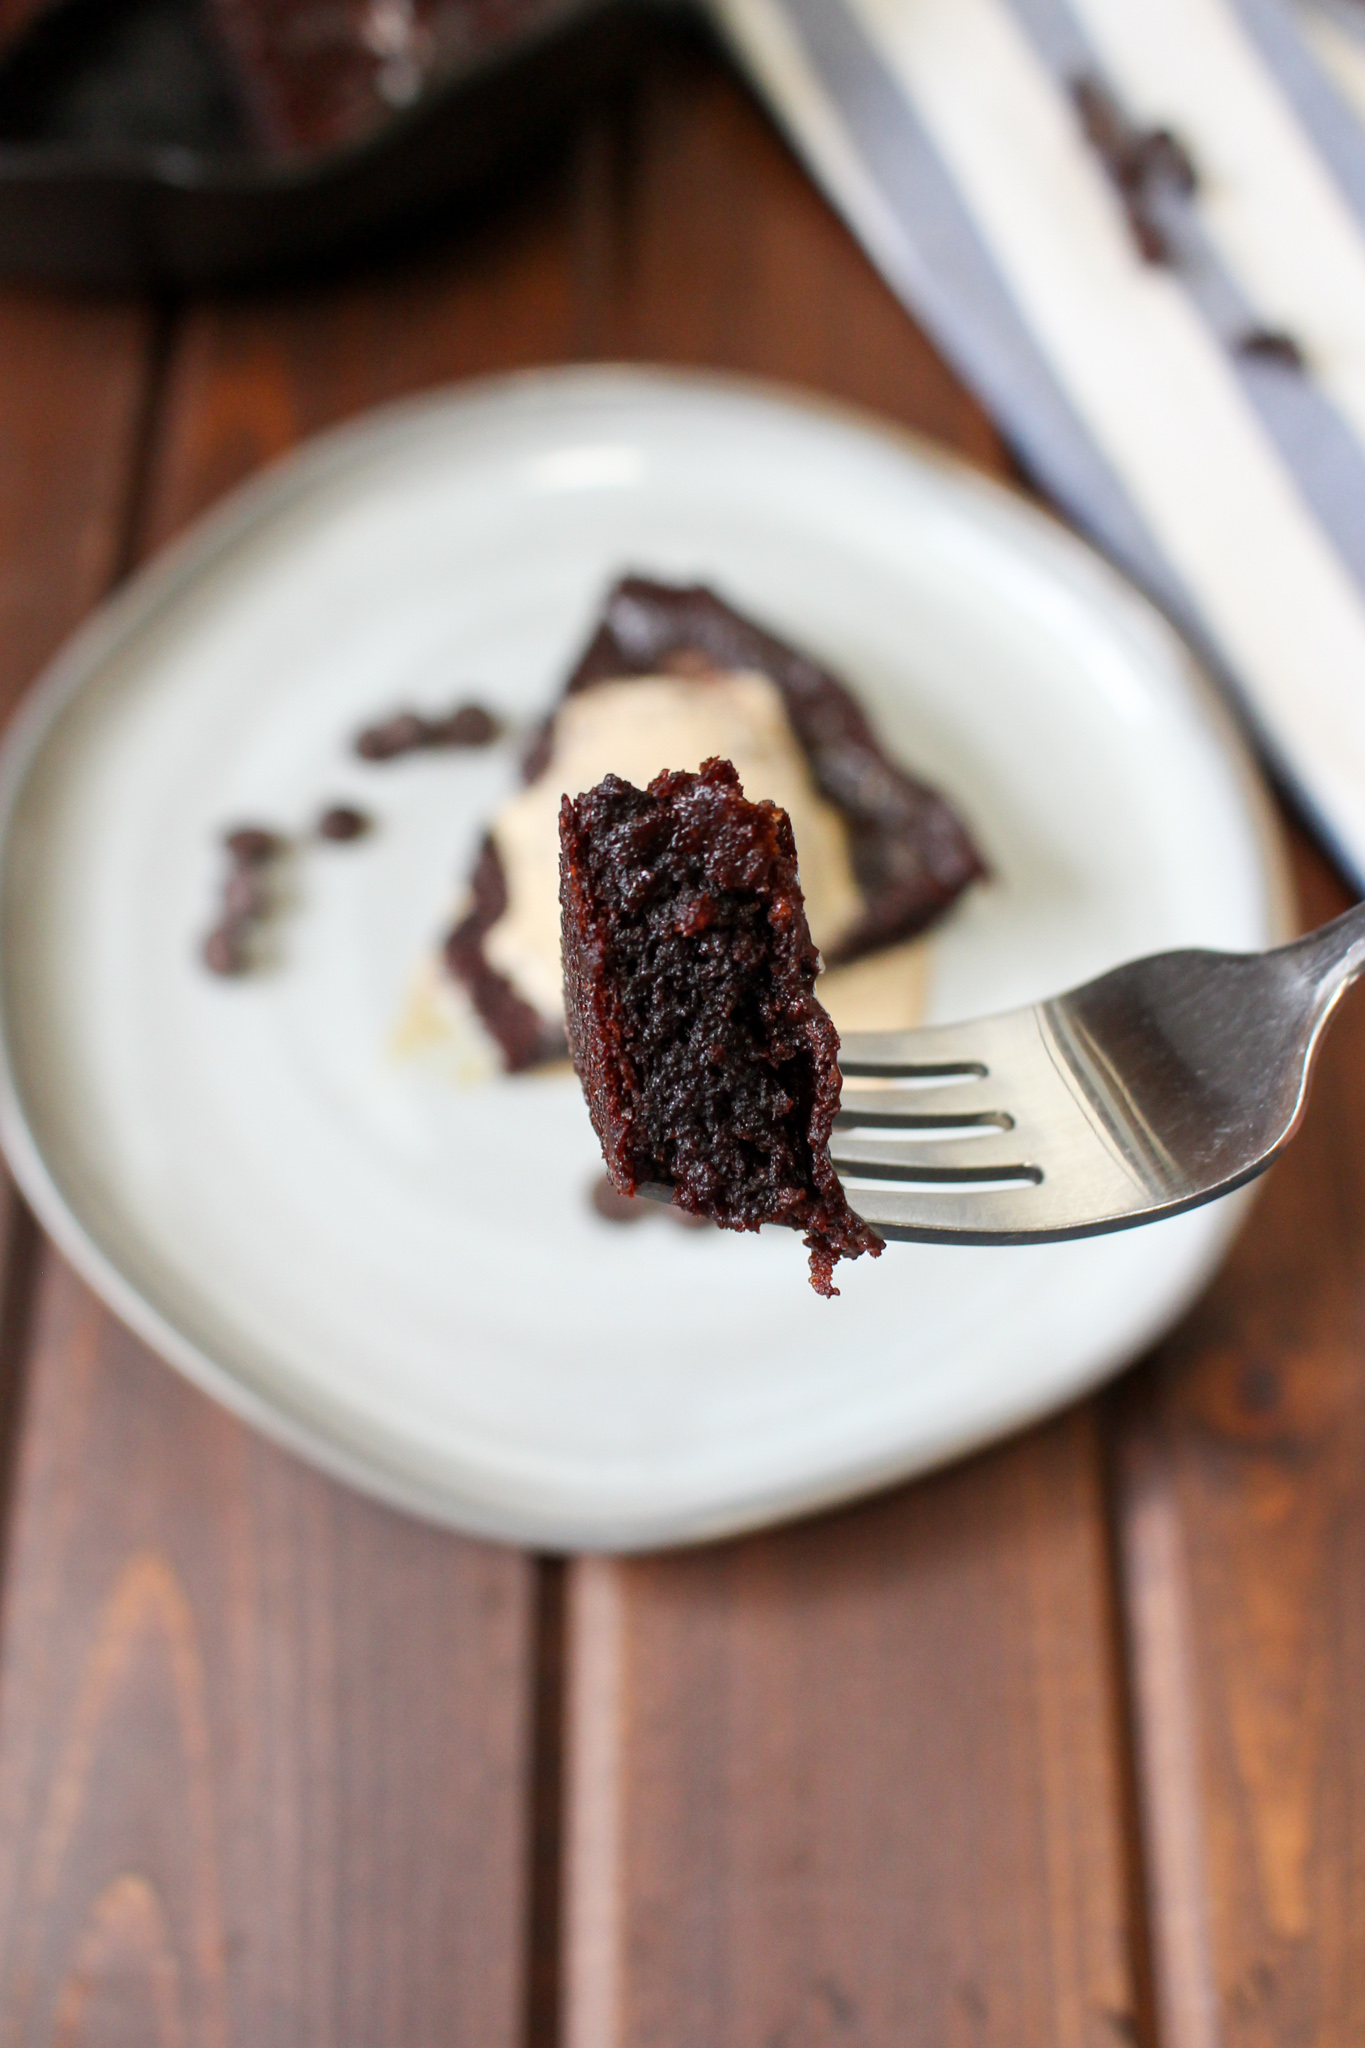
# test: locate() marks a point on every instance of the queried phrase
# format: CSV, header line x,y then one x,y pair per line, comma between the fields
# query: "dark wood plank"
x,y
1240,1453
856,1780
263,1744
266,1749
250,376
859,1780
73,392
72,400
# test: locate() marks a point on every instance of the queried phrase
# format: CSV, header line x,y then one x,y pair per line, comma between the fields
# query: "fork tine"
x,y
951,1049
886,1158
981,1215
879,1099
1162,1084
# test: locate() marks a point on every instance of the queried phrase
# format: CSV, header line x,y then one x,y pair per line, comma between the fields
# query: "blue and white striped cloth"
x,y
1202,417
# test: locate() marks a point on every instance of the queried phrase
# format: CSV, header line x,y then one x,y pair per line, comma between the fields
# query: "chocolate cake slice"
x,y
906,854
689,978
912,854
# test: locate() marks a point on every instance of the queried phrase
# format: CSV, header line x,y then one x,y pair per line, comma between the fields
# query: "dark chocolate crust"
x,y
525,1037
912,855
708,1063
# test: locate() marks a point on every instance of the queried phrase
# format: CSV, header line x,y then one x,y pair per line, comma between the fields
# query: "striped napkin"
x,y
1137,228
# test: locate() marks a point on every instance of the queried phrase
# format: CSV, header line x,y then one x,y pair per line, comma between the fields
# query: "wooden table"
x,y
1063,1746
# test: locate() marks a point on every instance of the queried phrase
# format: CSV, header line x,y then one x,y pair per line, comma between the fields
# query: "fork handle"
x,y
1331,957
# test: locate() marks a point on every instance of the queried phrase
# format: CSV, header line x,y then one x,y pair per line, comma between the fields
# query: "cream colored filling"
x,y
634,729
885,991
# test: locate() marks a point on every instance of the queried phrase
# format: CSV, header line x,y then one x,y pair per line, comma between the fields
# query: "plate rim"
x,y
154,588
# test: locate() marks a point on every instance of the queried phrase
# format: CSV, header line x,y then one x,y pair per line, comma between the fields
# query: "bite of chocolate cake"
x,y
709,1066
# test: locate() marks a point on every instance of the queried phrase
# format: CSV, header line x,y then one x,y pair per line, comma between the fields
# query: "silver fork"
x,y
1163,1084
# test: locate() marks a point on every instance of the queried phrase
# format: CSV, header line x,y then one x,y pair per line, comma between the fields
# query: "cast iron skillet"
x,y
125,157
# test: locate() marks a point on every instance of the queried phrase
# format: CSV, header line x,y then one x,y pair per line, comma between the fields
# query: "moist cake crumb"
x,y
708,1064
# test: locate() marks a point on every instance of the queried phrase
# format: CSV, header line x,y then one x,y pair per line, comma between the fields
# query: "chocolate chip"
x,y
1271,345
1101,117
251,845
1158,156
342,822
225,950
614,1207
401,734
244,897
1149,236
470,726
1141,162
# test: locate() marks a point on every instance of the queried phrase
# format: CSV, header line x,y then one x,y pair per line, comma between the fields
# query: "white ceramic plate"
x,y
400,1275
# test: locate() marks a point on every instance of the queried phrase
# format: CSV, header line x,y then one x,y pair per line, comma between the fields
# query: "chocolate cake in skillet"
x,y
323,74
670,677
708,1064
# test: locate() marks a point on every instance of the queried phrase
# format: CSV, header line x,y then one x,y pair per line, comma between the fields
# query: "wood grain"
x,y
263,1744
73,391
856,1781
250,376
1244,1444
73,395
266,1750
